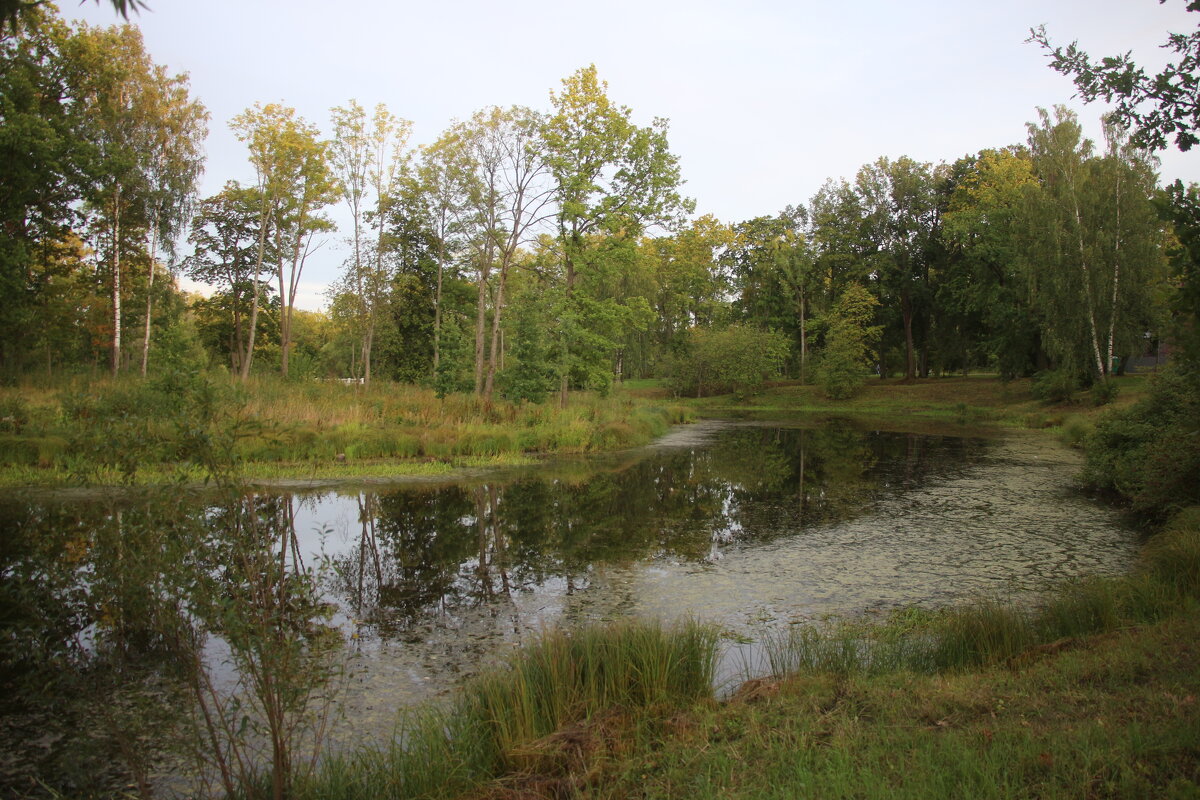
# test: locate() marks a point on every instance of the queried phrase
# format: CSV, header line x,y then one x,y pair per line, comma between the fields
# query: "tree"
x,y
174,161
45,160
689,284
225,234
368,156
775,274
985,225
1094,243
13,12
498,157
312,188
612,180
291,182
440,183
849,342
1156,107
133,111
901,220
1180,206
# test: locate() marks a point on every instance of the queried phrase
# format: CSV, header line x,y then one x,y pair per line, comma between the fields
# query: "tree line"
x,y
532,252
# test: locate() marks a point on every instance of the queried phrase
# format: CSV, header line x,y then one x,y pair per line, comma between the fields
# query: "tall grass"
x,y
137,430
534,713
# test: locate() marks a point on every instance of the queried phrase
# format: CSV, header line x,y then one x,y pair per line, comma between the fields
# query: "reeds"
x,y
140,429
505,720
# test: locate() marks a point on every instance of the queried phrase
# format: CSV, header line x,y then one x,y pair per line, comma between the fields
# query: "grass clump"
x,y
535,714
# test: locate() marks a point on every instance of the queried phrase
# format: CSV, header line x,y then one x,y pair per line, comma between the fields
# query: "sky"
x,y
767,99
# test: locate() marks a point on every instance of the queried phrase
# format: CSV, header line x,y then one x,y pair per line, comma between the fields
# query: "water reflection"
x,y
437,552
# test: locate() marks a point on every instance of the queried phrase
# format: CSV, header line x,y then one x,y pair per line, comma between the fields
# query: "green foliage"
x,y
849,341
736,359
1103,392
1150,453
1055,386
454,365
1181,208
530,375
1159,106
14,414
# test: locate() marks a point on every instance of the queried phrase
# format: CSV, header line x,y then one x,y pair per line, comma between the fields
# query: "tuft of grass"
x,y
506,720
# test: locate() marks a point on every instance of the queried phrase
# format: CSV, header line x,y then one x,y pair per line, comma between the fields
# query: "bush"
x,y
737,359
14,414
1103,393
842,369
1055,386
1150,452
840,372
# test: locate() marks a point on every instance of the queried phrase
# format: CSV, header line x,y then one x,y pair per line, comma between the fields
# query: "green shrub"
x,y
1150,452
1055,386
1103,392
14,414
736,359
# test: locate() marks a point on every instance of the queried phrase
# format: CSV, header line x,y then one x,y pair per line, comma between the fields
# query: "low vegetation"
x,y
175,426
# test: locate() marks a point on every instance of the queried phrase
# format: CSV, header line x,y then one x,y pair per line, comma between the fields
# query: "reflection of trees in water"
x,y
441,551
105,607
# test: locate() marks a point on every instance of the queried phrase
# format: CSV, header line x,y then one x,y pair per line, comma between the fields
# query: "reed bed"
x,y
144,430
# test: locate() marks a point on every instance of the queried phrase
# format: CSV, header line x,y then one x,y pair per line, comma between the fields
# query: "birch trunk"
x,y
149,295
116,283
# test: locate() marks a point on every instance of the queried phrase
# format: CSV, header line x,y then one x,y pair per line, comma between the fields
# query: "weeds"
x,y
137,431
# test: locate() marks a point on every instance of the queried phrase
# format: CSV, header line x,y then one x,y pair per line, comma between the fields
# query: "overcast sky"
x,y
766,99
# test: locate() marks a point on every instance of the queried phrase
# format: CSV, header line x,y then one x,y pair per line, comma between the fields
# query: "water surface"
x,y
746,525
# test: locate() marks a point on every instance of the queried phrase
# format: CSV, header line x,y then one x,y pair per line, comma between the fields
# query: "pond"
x,y
748,525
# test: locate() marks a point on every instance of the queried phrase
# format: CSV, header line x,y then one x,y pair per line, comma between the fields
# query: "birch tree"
x,y
508,198
278,142
174,162
368,156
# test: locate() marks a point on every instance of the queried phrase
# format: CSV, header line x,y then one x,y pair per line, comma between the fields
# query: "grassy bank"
x,y
976,399
1092,694
183,427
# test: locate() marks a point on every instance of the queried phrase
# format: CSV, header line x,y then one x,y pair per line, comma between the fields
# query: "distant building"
x,y
1155,355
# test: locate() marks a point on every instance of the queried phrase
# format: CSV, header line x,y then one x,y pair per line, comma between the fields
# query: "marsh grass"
x,y
143,431
511,720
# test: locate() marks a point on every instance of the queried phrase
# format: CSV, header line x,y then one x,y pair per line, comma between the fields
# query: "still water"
x,y
750,526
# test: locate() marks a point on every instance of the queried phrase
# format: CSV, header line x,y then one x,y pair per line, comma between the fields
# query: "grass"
x,y
978,400
175,427
1115,715
544,706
